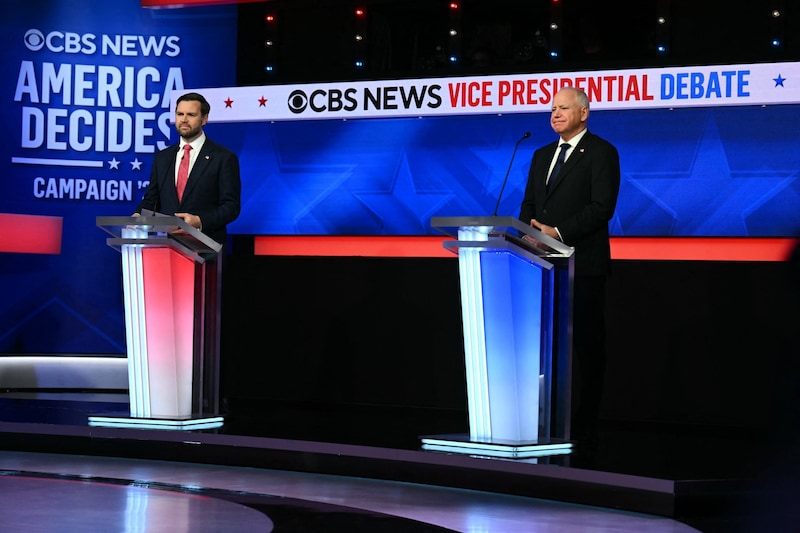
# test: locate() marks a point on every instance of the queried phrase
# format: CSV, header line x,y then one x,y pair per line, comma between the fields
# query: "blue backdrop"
x,y
86,86
721,171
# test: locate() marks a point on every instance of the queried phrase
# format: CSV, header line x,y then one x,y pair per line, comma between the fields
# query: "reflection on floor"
x,y
292,501
259,474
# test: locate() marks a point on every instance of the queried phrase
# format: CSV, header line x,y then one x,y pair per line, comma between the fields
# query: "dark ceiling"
x,y
314,40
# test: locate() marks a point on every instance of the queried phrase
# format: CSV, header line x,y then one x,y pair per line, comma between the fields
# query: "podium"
x,y
171,276
516,303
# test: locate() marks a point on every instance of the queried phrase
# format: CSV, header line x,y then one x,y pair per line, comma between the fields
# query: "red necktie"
x,y
183,171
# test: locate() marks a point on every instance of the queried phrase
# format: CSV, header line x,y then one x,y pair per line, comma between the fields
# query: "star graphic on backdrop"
x,y
262,102
405,209
779,81
710,199
136,164
229,102
497,158
113,164
293,194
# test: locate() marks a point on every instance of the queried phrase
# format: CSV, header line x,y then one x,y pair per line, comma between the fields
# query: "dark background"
x,y
313,40
694,346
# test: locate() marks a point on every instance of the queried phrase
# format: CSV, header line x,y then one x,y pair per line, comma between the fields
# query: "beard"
x,y
189,134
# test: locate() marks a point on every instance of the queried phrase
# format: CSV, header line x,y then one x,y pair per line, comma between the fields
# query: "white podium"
x,y
516,298
171,280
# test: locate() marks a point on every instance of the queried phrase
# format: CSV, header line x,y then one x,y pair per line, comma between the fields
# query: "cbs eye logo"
x,y
34,40
298,102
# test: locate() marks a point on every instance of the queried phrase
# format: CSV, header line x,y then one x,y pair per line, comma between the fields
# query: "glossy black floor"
x,y
707,478
211,510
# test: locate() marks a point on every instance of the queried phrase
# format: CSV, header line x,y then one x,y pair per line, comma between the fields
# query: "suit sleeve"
x,y
594,215
152,194
527,210
229,192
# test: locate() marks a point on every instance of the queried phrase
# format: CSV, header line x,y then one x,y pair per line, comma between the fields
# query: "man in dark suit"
x,y
211,191
571,195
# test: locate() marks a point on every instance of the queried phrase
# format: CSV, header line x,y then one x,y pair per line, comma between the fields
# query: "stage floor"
x,y
361,468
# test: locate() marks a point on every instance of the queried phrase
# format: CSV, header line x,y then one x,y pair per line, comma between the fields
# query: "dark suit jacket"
x,y
213,191
581,201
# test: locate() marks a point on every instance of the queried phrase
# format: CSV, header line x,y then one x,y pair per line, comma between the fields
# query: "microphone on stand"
x,y
505,180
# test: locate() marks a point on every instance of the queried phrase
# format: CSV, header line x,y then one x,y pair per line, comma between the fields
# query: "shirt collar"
x,y
197,144
575,140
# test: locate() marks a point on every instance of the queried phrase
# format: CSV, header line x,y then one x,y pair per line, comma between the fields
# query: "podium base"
x,y
176,423
495,447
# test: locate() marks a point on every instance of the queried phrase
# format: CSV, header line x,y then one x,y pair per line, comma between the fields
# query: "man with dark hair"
x,y
195,179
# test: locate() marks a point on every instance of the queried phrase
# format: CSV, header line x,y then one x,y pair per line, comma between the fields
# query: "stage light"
x,y
661,20
269,68
360,12
553,53
269,42
776,42
359,37
453,59
553,26
776,13
269,18
359,64
453,5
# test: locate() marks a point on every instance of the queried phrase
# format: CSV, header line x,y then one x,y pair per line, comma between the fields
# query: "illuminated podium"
x,y
171,276
516,300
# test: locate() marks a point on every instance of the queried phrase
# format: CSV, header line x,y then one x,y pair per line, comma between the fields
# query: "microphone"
x,y
505,180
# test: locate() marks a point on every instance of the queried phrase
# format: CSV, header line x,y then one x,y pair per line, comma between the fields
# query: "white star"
x,y
113,164
136,164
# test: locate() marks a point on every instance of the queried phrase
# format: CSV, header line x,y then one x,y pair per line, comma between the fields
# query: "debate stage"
x,y
338,366
704,479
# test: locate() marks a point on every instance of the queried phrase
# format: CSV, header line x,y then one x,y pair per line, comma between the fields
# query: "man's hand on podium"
x,y
192,220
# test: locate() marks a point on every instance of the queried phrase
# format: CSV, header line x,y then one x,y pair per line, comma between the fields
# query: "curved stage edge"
x,y
572,479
